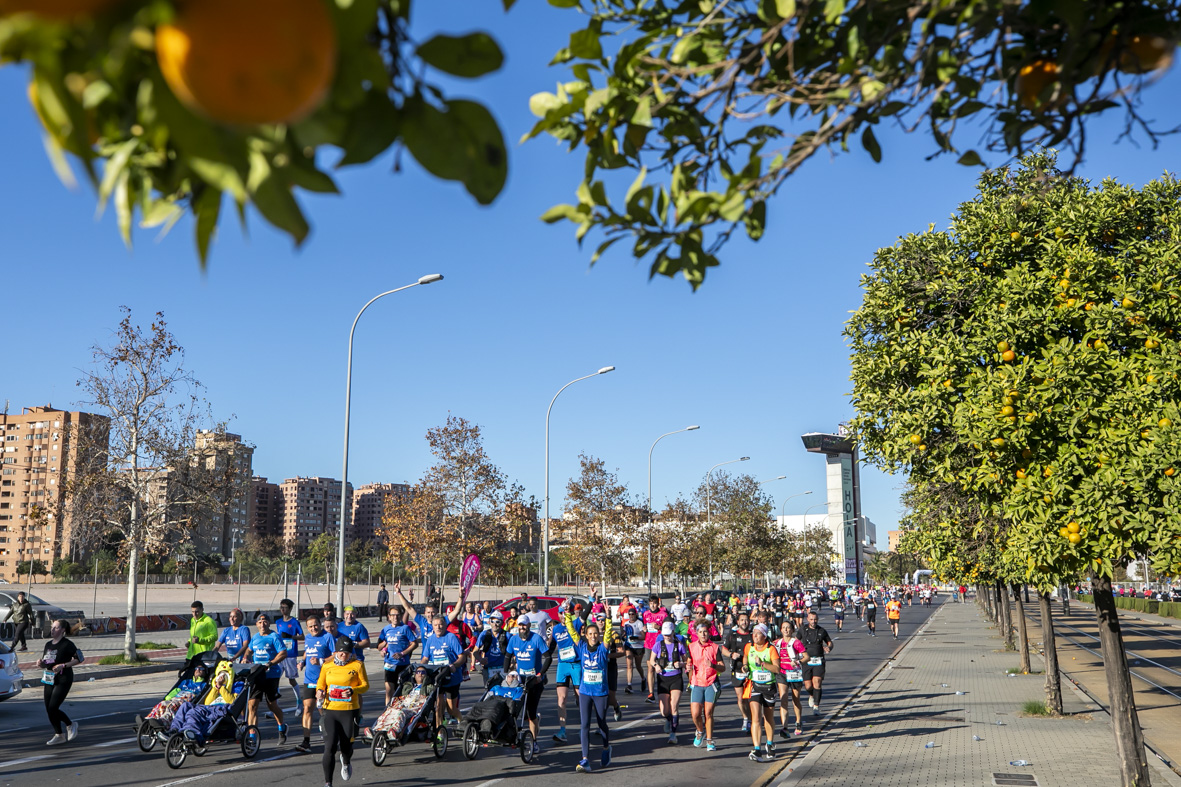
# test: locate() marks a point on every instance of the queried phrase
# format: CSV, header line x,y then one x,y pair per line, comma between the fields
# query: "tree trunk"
x,y
1129,740
1050,649
132,577
1002,592
1022,631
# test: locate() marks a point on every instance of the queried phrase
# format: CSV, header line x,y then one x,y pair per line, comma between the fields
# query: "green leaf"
x,y
564,3
122,198
207,206
786,9
272,196
585,44
464,143
542,103
756,220
373,127
733,207
115,166
833,10
870,143
970,159
472,55
681,51
555,214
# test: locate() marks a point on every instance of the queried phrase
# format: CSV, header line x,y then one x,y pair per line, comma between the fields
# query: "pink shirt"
x,y
702,656
713,632
789,653
652,621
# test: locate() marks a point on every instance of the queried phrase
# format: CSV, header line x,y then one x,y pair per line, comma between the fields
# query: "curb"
x,y
813,746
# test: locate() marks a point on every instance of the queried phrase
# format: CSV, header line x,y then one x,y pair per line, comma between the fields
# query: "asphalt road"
x,y
105,752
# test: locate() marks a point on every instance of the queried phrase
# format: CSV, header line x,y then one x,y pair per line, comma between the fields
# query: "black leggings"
x,y
585,705
55,695
338,733
19,636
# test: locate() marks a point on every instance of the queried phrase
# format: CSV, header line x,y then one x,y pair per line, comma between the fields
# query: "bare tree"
x,y
599,521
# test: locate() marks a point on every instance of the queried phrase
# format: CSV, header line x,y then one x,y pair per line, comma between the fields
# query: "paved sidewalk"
x,y
909,706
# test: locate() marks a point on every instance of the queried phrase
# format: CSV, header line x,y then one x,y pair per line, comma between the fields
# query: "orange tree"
x,y
1029,356
170,106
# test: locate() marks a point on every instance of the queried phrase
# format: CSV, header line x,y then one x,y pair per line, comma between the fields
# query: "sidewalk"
x,y
908,706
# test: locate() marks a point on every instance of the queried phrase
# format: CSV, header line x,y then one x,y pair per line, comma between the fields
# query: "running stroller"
x,y
196,726
419,727
154,728
499,718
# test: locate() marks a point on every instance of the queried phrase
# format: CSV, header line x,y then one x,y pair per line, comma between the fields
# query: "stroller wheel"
x,y
440,741
380,748
145,737
525,745
471,740
251,741
174,751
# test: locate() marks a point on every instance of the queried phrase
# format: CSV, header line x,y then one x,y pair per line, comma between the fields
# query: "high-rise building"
x,y
368,506
265,517
311,506
895,536
228,461
39,454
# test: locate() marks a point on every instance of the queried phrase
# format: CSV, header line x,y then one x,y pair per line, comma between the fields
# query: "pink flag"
x,y
471,570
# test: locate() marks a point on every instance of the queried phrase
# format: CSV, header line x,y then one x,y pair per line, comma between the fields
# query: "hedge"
x,y
1169,609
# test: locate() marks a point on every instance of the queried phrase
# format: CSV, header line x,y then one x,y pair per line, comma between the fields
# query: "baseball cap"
x,y
344,645
667,628
497,615
766,631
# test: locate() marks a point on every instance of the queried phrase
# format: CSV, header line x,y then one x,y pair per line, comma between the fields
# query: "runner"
x,y
818,645
712,634
735,645
569,662
292,634
634,645
871,613
355,630
625,606
530,657
613,640
539,622
680,614
57,665
318,647
893,615
704,665
491,647
761,661
443,648
470,617
329,613
339,687
654,618
790,677
666,668
202,631
593,660
235,637
266,648
397,642
838,613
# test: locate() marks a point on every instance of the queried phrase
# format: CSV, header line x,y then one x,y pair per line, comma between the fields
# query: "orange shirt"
x,y
893,609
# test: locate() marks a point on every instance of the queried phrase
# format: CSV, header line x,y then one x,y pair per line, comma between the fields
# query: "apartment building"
x,y
39,452
368,506
227,461
265,517
311,506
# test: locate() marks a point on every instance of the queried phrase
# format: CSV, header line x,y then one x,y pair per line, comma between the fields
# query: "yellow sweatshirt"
x,y
343,685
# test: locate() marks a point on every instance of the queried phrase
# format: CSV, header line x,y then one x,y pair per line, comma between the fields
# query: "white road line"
x,y
228,770
113,743
83,718
22,761
637,721
489,783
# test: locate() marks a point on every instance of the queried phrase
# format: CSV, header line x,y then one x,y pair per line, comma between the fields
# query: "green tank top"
x,y
758,662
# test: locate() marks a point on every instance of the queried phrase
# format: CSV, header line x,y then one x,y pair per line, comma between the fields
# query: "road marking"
x,y
24,760
489,783
228,770
84,718
113,743
637,721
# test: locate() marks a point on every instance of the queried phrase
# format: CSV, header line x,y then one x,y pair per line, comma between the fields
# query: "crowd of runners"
x,y
762,651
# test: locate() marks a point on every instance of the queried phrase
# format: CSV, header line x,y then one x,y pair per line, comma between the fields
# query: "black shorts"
x,y
764,694
307,692
669,684
450,691
871,614
532,700
392,676
612,674
813,672
268,687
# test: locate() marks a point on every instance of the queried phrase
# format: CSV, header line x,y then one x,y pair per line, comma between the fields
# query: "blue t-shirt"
x,y
444,650
288,630
490,644
396,639
425,629
594,669
235,639
566,650
317,650
528,654
265,647
357,633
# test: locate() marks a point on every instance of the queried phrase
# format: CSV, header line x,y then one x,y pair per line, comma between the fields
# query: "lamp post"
x,y
344,480
708,519
783,508
545,532
769,480
650,450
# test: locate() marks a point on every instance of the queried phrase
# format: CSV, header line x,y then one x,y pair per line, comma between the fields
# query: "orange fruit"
x,y
1170,472
1020,473
1032,80
1002,346
1146,53
915,439
1072,527
249,62
1074,538
1063,532
1008,356
58,10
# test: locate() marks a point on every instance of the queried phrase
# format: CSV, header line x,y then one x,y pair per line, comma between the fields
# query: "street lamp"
x,y
344,480
650,450
708,519
769,480
545,535
783,508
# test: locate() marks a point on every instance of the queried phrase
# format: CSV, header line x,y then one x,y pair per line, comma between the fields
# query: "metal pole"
x,y
369,582
145,584
239,604
545,533
298,586
284,579
94,609
650,518
344,480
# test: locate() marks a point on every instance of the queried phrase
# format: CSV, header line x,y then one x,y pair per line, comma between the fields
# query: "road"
x,y
105,752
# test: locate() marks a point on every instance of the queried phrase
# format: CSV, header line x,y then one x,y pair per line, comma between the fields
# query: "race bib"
x,y
289,644
815,661
761,676
340,693
47,677
740,675
652,628
593,677
566,653
636,642
526,673
793,675
871,606
440,658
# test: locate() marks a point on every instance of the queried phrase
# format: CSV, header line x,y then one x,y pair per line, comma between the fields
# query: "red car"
x,y
546,604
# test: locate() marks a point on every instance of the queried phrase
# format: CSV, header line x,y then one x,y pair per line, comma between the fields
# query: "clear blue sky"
x,y
756,357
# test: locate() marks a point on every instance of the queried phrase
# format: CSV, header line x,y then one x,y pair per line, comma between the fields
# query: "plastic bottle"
x,y
1020,763
930,745
859,745
1000,723
961,693
977,738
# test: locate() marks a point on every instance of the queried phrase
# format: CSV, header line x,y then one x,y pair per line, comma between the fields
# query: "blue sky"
x,y
756,357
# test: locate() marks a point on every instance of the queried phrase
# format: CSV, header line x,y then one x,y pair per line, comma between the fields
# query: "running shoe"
x,y
628,690
583,766
783,733
672,738
709,746
756,755
799,731
650,700
811,702
560,735
72,731
305,747
746,725
698,738
536,748
618,714
668,725
605,759
282,734
815,710
769,753
346,769
56,739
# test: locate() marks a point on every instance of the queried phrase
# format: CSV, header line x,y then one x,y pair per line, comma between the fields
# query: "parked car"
x,y
547,604
10,673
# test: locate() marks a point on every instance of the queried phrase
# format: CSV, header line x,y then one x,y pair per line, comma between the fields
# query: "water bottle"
x,y
961,693
930,745
1000,723
944,685
977,738
1020,763
859,745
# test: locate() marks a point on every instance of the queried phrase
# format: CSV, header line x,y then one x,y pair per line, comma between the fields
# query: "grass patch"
x,y
1014,670
1036,708
149,645
118,658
